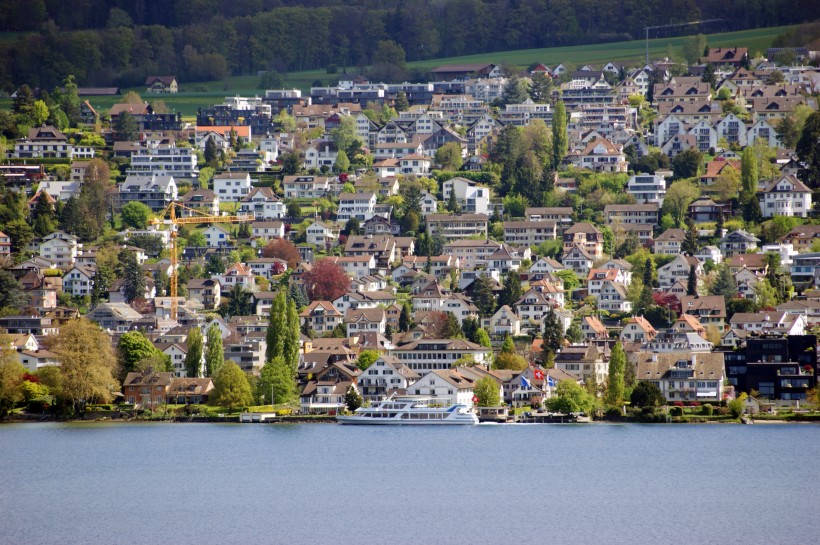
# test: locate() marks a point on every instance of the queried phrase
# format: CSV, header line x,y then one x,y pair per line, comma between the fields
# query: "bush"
x,y
38,405
195,409
676,411
736,407
613,413
707,410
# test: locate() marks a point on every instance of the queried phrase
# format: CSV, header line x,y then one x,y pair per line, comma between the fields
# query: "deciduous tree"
x,y
570,397
615,383
487,391
231,388
135,215
560,139
193,358
214,355
11,380
646,394
86,363
326,281
282,249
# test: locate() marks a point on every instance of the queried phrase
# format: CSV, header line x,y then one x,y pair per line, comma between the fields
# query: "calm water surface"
x,y
324,484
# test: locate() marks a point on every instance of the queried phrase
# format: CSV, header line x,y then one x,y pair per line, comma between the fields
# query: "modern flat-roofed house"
x,y
232,186
153,190
644,214
453,227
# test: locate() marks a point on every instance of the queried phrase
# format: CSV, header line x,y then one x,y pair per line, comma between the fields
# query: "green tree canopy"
x,y
487,391
214,355
570,397
646,394
231,388
135,215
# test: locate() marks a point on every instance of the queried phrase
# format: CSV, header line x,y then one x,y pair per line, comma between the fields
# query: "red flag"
x,y
539,374
475,399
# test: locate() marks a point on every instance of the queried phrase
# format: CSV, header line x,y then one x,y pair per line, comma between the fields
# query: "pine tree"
x,y
290,345
748,175
210,151
214,355
751,211
692,282
648,272
133,277
276,327
560,139
43,218
512,291
193,358
451,329
483,296
469,327
405,318
690,243
725,283
617,366
402,103
719,225
452,203
553,338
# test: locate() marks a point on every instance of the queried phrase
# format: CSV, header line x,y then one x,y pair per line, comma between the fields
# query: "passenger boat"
x,y
411,411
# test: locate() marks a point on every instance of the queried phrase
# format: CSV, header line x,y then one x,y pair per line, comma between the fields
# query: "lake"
x,y
327,484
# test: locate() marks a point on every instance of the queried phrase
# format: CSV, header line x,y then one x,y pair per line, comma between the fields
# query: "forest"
x,y
120,42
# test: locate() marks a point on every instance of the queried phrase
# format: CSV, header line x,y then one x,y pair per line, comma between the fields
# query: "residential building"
x,y
776,367
684,376
529,233
453,227
472,197
670,242
156,191
647,188
709,309
601,155
232,186
630,214
786,196
263,204
586,236
738,242
356,205
428,355
164,159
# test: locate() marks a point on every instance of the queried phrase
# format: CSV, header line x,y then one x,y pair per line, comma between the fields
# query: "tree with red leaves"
x,y
326,281
282,249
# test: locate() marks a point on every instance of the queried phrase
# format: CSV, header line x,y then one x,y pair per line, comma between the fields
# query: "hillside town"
x,y
591,238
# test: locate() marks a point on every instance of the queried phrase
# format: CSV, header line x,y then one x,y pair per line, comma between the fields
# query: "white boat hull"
x,y
367,421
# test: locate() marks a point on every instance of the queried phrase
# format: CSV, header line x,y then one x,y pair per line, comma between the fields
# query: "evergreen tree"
x,y
615,384
193,358
648,272
690,243
808,150
452,203
290,348
724,284
751,211
560,139
43,218
451,329
470,326
277,323
125,128
512,291
211,154
405,318
483,296
692,282
353,399
214,354
297,294
553,334
508,346
402,103
515,90
574,333
132,275
719,225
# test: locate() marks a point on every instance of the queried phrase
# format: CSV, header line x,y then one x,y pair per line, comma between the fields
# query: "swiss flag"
x,y
475,399
539,374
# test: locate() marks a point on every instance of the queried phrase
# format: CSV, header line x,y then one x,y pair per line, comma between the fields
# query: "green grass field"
x,y
194,95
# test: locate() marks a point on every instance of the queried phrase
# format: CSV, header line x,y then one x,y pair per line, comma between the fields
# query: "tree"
x,y
486,390
11,380
291,163
132,275
405,318
482,338
276,381
574,333
511,361
448,156
569,397
788,132
512,290
678,198
239,303
43,218
402,103
326,281
725,283
87,375
687,163
483,296
290,344
751,211
646,394
132,348
469,327
231,388
553,338
690,243
515,90
283,249
560,139
541,88
748,175
808,150
277,321
353,399
135,215
20,234
367,358
693,47
388,62
193,358
125,128
615,384
345,134
12,295
214,355
342,161
692,282
352,227
271,79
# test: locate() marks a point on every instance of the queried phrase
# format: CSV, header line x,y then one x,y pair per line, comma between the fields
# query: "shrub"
x,y
678,403
613,413
707,410
195,409
736,407
676,411
38,406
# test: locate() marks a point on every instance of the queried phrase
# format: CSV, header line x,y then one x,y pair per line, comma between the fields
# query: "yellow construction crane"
x,y
196,217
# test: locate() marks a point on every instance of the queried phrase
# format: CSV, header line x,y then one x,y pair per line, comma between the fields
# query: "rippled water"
x,y
244,484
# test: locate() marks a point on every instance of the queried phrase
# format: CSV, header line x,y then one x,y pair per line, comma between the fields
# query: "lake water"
x,y
326,484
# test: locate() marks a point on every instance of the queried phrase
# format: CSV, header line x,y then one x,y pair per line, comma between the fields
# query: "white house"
x,y
427,355
79,281
263,204
232,186
356,205
678,270
647,188
217,236
60,248
472,197
613,298
385,376
448,385
320,234
786,196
